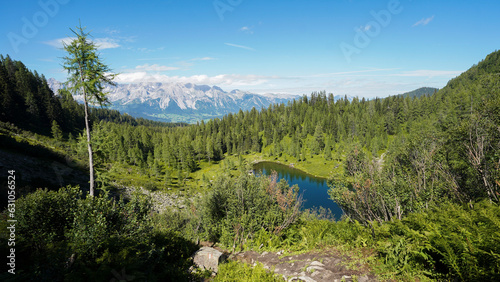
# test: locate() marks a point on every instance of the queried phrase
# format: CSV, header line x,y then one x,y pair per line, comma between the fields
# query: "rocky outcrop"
x,y
310,267
208,258
162,200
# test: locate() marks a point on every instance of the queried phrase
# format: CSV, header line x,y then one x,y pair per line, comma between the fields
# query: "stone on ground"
x,y
208,258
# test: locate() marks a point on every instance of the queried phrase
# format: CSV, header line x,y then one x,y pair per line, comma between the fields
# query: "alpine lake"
x,y
314,190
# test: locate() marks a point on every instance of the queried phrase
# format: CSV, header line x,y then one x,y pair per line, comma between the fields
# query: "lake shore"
x,y
315,167
291,166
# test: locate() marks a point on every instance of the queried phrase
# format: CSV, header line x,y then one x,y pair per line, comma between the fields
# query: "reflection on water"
x,y
313,189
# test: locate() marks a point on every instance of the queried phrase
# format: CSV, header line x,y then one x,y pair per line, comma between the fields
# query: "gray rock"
x,y
346,278
363,279
317,263
208,258
301,278
314,268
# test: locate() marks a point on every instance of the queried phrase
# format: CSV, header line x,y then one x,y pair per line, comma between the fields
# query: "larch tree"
x,y
88,75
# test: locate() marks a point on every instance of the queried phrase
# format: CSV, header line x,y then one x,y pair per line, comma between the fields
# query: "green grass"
x,y
235,271
14,139
316,166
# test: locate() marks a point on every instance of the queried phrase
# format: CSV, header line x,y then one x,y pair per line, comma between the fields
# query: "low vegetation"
x,y
63,235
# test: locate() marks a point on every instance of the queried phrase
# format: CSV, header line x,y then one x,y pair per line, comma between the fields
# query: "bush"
x,y
449,242
61,236
237,208
45,216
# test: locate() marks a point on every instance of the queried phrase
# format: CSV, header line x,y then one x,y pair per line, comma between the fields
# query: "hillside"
x,y
420,92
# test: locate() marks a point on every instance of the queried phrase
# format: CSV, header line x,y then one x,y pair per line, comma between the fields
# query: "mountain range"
x,y
180,102
187,102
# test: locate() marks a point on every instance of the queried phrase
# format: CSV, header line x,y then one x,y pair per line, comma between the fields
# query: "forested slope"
x,y
27,101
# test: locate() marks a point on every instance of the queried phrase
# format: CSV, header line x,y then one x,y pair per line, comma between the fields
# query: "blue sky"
x,y
359,48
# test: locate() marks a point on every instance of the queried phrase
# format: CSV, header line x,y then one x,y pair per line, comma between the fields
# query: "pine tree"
x,y
56,131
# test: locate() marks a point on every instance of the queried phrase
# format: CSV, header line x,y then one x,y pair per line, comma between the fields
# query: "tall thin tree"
x,y
88,76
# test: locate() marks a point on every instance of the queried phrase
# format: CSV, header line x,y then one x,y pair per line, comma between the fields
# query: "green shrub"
x,y
61,236
44,216
236,209
235,271
184,222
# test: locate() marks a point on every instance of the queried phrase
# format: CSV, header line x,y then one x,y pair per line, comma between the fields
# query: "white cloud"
x,y
158,58
106,43
58,43
101,43
369,83
203,59
155,67
147,50
222,79
247,29
424,21
240,46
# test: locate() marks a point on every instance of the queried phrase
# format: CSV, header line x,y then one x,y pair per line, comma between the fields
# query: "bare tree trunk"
x,y
477,157
87,127
89,146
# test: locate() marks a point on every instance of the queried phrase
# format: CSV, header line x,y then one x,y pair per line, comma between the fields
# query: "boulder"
x,y
208,258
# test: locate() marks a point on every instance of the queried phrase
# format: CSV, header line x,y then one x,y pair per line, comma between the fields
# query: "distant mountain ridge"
x,y
174,102
423,91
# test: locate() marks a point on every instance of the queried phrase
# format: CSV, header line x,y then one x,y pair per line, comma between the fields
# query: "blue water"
x,y
313,189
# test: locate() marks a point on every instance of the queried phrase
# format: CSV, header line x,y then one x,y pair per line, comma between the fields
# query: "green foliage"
x,y
423,91
96,218
235,271
236,209
356,161
27,101
44,217
312,233
450,242
61,236
88,74
56,131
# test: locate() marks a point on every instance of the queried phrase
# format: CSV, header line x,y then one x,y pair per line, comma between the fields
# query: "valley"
x,y
242,141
